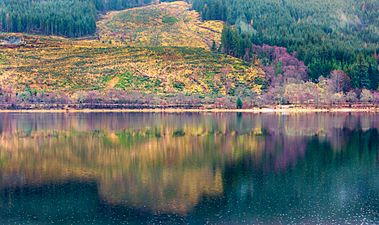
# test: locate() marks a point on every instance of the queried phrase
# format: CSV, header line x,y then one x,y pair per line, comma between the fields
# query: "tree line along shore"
x,y
303,96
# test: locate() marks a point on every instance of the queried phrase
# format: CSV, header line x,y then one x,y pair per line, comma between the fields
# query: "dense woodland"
x,y
326,34
105,5
72,18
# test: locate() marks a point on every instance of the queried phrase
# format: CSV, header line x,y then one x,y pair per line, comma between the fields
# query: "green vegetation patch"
x,y
178,85
3,59
170,20
129,81
138,16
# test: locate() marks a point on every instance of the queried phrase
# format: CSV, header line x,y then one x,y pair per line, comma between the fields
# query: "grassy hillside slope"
x,y
166,24
151,62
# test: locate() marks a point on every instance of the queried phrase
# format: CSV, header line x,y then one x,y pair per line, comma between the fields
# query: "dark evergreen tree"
x,y
359,73
214,46
373,76
239,103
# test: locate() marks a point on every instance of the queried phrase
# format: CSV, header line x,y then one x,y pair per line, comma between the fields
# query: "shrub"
x,y
351,97
178,85
170,19
366,96
338,98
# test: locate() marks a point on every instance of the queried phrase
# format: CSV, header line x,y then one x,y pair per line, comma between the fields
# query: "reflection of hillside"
x,y
169,190
164,173
155,161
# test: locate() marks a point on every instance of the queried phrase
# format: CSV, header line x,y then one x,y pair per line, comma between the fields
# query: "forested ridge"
x,y
326,34
71,18
61,17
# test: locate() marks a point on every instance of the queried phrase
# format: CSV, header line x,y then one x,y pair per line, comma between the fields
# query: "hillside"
x,y
325,34
166,24
179,61
222,55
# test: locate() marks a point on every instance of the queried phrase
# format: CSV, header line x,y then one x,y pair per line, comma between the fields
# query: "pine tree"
x,y
373,76
359,73
239,103
214,46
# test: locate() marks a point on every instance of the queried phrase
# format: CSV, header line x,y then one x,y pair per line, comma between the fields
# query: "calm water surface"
x,y
131,168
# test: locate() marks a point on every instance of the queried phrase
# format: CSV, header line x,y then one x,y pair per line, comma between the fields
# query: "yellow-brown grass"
x,y
165,24
180,62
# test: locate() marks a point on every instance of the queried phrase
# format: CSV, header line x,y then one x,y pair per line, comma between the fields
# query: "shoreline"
x,y
214,110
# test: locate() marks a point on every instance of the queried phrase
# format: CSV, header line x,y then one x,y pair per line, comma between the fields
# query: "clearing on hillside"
x,y
161,49
69,65
165,24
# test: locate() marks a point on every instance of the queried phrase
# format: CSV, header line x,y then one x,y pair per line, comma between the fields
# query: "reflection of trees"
x,y
341,185
139,160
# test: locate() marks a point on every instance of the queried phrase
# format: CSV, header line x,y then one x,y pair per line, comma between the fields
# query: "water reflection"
x,y
217,168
